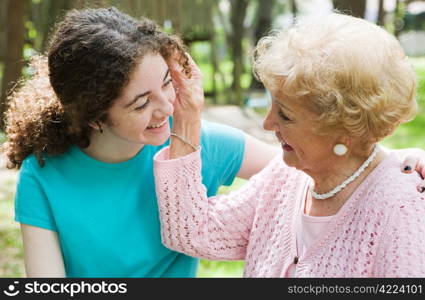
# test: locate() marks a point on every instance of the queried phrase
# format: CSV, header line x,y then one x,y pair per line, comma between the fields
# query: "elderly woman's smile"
x,y
285,146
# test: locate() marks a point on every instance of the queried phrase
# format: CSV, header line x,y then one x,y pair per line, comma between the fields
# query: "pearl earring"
x,y
340,149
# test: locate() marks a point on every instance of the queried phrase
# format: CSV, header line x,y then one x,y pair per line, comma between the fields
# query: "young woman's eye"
x,y
141,107
283,116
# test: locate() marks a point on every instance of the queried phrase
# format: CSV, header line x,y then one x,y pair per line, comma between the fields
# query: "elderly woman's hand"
x,y
189,90
413,160
187,107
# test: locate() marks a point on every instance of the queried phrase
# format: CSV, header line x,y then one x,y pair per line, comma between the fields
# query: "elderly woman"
x,y
337,205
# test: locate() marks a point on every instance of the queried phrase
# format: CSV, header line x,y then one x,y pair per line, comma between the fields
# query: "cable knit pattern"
x,y
379,232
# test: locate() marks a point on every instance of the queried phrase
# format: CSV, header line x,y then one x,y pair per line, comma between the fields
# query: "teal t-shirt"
x,y
106,215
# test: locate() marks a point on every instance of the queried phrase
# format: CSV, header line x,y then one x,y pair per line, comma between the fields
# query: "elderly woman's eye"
x,y
283,116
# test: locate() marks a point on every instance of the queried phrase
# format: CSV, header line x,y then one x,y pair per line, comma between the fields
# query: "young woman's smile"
x,y
159,127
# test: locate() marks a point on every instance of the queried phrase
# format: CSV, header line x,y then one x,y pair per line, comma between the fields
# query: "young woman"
x,y
84,131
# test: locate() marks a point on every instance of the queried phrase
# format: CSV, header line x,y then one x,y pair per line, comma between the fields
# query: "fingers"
x,y
421,187
192,63
420,168
175,67
179,78
409,163
196,71
178,71
414,163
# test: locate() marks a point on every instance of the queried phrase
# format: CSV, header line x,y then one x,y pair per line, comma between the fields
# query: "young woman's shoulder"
x,y
30,164
41,164
216,132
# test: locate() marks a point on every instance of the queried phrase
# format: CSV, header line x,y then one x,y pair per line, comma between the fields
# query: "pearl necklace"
x,y
348,180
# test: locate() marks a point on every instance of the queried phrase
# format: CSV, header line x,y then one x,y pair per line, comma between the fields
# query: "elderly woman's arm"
x,y
211,228
216,228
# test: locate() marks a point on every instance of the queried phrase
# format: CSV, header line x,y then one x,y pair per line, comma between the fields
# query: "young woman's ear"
x,y
96,125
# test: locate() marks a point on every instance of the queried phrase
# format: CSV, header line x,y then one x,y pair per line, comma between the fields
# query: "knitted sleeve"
x,y
402,249
215,228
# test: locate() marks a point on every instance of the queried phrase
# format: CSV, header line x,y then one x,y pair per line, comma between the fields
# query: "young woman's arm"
x,y
257,155
43,256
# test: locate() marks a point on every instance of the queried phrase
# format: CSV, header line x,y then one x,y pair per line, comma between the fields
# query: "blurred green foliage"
x,y
412,134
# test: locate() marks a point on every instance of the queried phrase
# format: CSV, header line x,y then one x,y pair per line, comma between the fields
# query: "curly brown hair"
x,y
91,56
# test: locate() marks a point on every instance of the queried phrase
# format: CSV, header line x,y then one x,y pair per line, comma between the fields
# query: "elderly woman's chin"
x,y
291,159
289,156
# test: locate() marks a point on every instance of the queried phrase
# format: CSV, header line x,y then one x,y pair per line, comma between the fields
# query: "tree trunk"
x,y
238,13
264,24
79,4
215,69
294,9
381,13
15,39
220,47
3,10
398,18
45,15
356,8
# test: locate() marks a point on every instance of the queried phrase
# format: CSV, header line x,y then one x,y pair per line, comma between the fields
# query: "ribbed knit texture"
x,y
379,232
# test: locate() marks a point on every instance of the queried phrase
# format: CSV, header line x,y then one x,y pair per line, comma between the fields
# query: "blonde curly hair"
x,y
90,59
350,72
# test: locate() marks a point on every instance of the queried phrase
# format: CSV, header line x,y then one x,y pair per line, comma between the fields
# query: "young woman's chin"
x,y
157,142
157,139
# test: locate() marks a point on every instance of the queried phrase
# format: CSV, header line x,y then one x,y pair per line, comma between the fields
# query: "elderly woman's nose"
x,y
268,123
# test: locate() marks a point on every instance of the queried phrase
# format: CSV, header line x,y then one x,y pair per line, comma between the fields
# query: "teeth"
x,y
157,126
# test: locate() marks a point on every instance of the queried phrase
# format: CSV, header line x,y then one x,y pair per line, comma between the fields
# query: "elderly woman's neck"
x,y
342,168
324,183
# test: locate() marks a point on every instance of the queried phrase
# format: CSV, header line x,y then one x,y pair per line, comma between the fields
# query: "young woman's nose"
x,y
173,96
165,106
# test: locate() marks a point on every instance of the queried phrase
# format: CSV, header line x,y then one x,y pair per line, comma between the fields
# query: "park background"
x,y
220,35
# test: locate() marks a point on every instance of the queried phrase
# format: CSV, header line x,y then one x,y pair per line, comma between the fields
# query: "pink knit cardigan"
x,y
379,232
